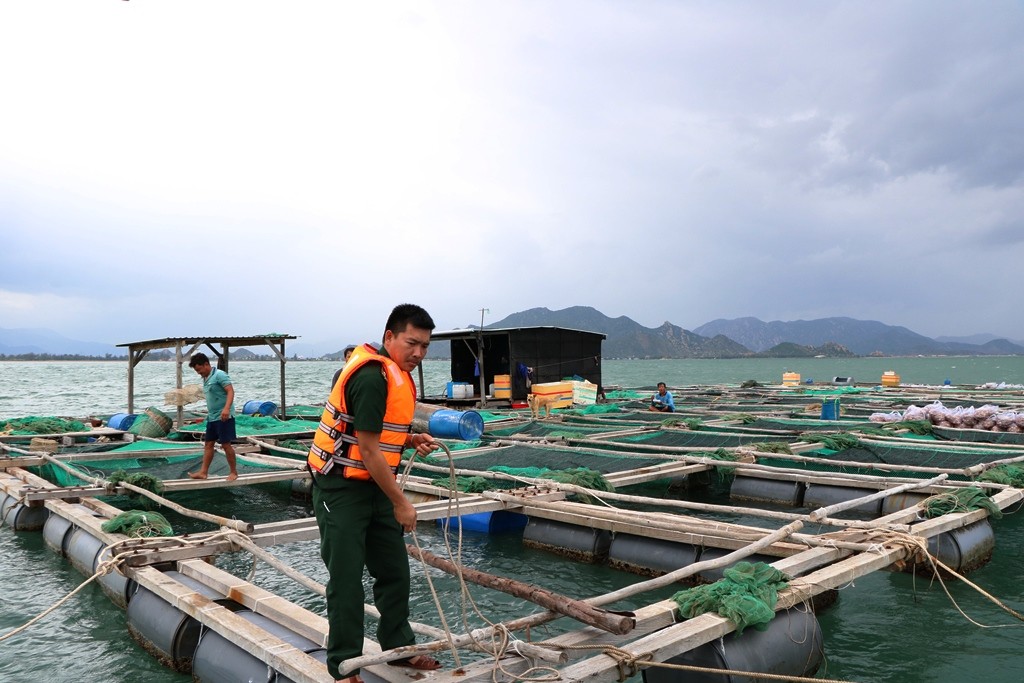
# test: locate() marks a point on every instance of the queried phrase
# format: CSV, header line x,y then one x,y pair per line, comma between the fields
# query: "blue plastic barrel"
x,y
264,408
456,424
830,409
121,421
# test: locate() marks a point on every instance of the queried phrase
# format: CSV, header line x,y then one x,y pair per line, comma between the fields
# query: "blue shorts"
x,y
221,431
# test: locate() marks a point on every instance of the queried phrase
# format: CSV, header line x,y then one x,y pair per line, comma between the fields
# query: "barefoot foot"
x,y
232,476
197,475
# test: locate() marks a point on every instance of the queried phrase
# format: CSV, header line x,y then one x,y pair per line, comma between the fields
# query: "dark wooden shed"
x,y
545,354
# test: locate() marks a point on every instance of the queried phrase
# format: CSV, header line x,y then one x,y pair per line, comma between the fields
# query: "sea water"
x,y
884,627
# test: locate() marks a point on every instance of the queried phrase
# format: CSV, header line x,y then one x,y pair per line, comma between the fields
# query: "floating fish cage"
x,y
807,510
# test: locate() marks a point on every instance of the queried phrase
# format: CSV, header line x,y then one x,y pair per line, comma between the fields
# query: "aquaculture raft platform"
x,y
851,537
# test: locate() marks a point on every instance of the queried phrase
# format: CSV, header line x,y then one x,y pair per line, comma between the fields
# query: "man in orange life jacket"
x,y
359,507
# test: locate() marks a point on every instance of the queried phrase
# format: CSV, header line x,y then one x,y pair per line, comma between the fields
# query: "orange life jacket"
x,y
335,444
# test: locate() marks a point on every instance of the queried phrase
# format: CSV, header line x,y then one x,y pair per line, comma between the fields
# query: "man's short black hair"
x,y
404,315
199,359
662,384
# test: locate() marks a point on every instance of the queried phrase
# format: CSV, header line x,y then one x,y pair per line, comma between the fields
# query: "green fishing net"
x,y
1011,475
464,484
960,500
913,426
772,447
139,479
746,596
833,442
40,425
138,524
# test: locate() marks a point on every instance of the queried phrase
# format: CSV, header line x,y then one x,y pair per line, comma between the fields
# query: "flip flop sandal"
x,y
422,663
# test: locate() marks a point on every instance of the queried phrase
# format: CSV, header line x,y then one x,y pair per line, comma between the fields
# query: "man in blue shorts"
x,y
220,417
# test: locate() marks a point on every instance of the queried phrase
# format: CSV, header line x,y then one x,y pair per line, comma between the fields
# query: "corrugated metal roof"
x,y
241,340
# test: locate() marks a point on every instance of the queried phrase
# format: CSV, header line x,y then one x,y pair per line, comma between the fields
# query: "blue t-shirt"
x,y
215,388
665,400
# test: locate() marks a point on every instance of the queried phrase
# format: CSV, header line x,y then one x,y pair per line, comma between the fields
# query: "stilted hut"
x,y
184,347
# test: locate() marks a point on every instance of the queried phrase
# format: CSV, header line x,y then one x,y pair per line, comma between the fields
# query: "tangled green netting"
x,y
743,418
1011,475
293,444
139,524
464,484
578,476
873,431
834,442
40,425
960,500
913,426
725,474
721,454
746,596
140,479
772,447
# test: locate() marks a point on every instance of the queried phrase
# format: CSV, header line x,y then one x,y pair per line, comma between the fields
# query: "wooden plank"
x,y
173,485
288,614
99,431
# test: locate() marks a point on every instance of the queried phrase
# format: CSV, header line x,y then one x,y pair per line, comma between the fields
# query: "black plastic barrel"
x,y
650,556
791,646
57,533
86,552
218,660
901,501
577,542
21,517
823,495
767,490
964,549
165,631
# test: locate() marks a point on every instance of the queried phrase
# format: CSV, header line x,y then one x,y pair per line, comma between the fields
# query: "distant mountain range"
x,y
752,337
738,338
22,341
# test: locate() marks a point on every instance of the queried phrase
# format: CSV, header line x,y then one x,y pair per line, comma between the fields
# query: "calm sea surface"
x,y
883,628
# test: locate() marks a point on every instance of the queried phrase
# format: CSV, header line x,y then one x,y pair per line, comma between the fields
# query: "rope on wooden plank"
x,y
631,663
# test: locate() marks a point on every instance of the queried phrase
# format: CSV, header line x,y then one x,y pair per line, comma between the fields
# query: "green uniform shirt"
x,y
366,396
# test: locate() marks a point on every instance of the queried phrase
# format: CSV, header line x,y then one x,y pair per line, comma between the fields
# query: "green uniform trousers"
x,y
358,528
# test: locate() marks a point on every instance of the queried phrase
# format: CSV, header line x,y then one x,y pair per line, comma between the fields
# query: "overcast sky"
x,y
215,167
